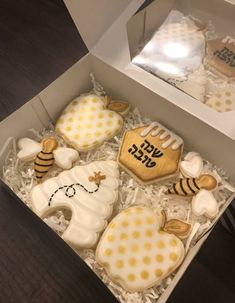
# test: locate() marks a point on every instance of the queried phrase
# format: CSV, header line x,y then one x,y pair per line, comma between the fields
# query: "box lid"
x,y
93,18
113,49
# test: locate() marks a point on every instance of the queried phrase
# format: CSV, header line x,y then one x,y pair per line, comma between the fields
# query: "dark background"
x,y
38,42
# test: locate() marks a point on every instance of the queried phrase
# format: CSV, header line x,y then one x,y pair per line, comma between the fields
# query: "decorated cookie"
x,y
150,153
64,157
45,154
86,122
45,159
191,186
176,49
89,191
221,56
222,100
204,203
192,165
136,252
28,149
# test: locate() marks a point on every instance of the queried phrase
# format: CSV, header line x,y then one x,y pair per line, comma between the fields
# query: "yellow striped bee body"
x,y
191,186
45,158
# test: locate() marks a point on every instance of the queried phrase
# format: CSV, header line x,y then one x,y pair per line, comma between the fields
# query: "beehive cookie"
x,y
150,153
88,191
135,252
86,122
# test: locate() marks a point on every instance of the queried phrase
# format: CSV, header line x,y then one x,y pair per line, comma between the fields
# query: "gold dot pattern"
x,y
180,33
224,101
86,122
134,251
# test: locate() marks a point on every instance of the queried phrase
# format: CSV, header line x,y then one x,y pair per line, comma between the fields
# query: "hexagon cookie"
x,y
221,56
150,153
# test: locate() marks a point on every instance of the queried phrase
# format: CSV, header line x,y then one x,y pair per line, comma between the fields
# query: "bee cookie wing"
x,y
64,157
28,149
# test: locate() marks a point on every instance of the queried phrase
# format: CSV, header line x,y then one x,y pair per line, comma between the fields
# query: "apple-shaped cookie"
x,y
136,252
86,122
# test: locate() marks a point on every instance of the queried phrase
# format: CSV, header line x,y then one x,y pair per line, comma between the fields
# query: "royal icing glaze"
x,y
28,149
64,157
192,165
86,123
156,128
89,191
150,153
135,252
204,203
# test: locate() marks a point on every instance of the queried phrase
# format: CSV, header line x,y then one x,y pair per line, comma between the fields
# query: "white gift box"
x,y
103,27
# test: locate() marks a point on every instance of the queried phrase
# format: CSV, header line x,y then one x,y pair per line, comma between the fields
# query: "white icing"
x,y
192,165
204,203
156,128
90,211
86,123
64,157
134,252
28,149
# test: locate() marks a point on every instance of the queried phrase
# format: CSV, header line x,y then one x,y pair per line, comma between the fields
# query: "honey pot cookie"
x,y
87,122
136,252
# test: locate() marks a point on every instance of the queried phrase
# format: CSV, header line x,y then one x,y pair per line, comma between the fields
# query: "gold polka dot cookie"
x,y
222,101
86,122
135,252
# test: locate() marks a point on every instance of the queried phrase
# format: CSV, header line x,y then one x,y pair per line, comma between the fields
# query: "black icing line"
x,y
189,186
194,182
71,186
182,187
44,159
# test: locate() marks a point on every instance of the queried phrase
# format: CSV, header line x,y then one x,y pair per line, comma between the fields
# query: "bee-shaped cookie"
x,y
45,154
191,186
45,158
